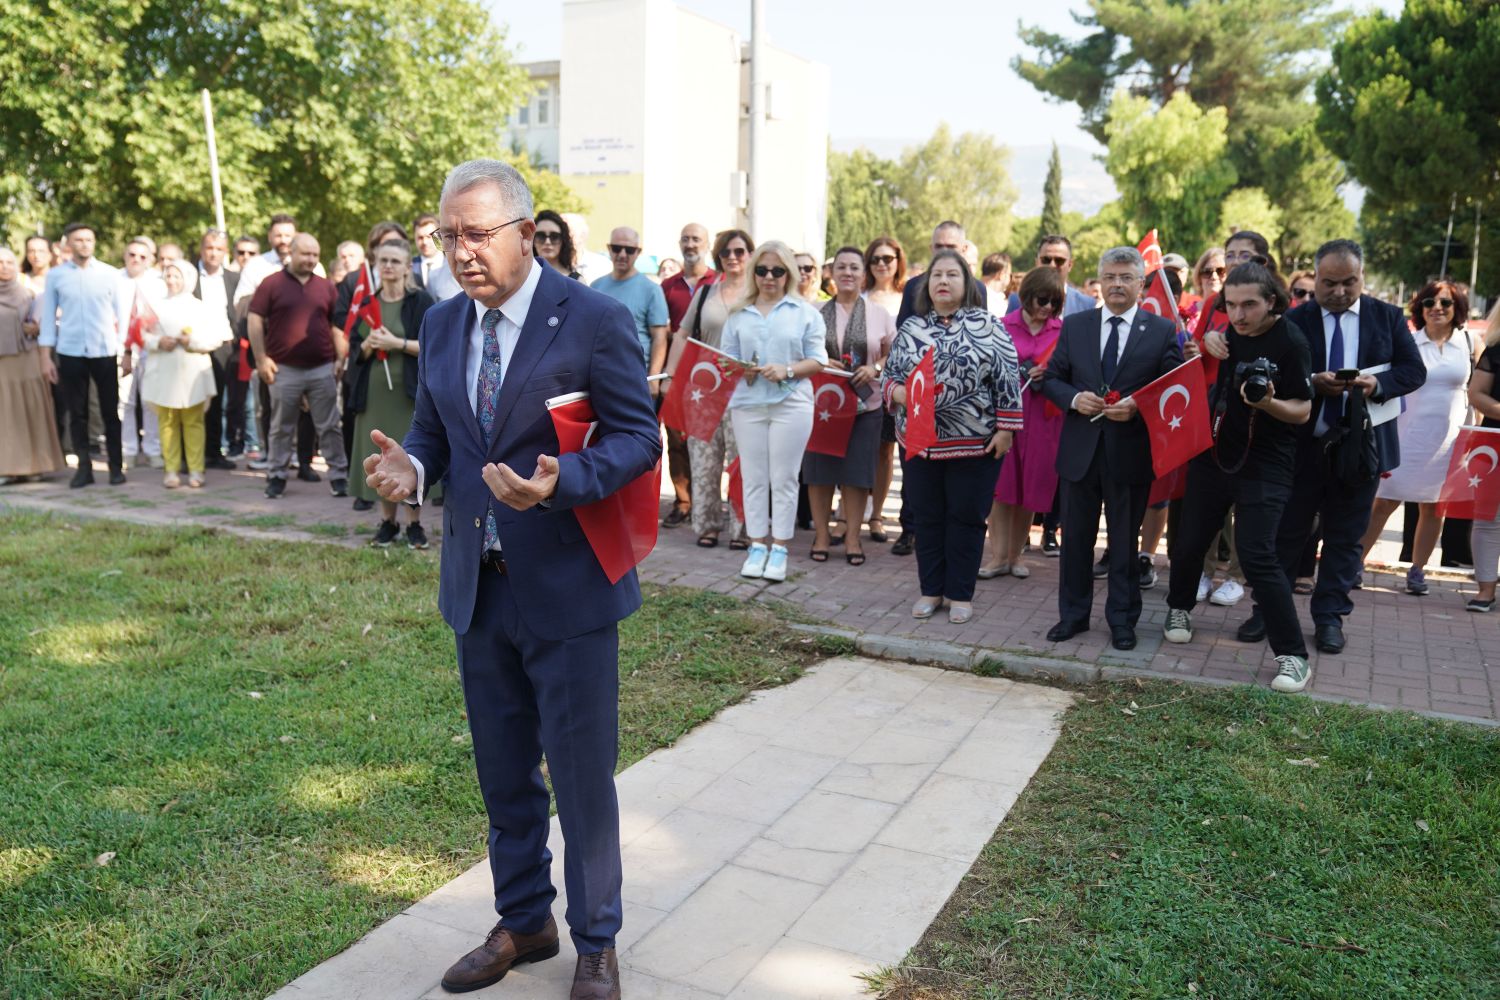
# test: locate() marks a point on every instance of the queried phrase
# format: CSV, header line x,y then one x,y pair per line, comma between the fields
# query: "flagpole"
x,y
213,161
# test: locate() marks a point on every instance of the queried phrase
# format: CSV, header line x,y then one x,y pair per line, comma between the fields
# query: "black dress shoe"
x,y
339,487
1329,638
904,544
1253,630
116,477
220,462
308,475
1122,637
675,516
275,488
361,504
1063,631
83,477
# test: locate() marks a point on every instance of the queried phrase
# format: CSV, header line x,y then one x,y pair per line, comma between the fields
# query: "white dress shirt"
x,y
513,313
1350,330
216,302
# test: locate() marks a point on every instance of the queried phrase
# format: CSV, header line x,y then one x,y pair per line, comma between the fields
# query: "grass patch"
x,y
265,522
133,502
1179,851
209,511
270,738
329,530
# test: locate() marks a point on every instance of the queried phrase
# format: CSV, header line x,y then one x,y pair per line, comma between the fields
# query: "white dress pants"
x,y
772,439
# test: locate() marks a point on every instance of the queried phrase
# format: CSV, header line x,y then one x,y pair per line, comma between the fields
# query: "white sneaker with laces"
x,y
775,569
755,561
1228,594
1293,674
1179,627
1205,584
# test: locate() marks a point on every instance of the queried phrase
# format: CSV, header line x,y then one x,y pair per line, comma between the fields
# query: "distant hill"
x,y
1086,185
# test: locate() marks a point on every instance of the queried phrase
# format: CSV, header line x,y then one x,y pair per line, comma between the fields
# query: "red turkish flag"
x,y
622,527
834,408
1172,486
141,320
1209,319
701,387
364,305
1472,487
1157,298
1150,249
1175,409
737,489
921,406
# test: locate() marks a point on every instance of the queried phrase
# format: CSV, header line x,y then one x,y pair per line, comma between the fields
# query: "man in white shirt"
x,y
430,266
590,264
140,438
216,287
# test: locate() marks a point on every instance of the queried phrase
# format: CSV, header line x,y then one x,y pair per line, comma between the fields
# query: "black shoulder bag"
x,y
1349,446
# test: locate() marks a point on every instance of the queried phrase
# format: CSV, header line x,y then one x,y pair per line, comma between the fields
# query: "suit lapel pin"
x,y
552,321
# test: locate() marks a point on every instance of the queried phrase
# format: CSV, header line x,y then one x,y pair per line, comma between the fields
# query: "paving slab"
x,y
757,868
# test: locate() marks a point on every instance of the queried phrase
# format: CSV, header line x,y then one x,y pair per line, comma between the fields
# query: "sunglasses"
x,y
734,252
1055,303
770,272
1301,293
885,258
542,236
806,268
1219,271
1431,303
1052,261
615,248
244,253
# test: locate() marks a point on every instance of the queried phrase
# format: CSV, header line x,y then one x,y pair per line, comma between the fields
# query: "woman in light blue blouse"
x,y
780,336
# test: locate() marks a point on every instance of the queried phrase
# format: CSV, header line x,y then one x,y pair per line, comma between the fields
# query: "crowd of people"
x,y
263,358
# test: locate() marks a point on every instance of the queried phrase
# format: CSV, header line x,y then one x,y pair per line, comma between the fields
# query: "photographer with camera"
x,y
1263,393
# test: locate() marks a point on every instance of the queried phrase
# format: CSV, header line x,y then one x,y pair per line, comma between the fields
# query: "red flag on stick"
x,y
700,391
1179,430
621,528
1158,298
737,489
921,406
364,305
1150,249
141,319
834,408
1472,487
1210,319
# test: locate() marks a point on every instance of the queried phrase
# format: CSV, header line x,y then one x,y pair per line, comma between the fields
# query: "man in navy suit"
x,y
534,615
1117,349
1345,329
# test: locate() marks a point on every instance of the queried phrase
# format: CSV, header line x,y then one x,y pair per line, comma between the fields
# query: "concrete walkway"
x,y
798,840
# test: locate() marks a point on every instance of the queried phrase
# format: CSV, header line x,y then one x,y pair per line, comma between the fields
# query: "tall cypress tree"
x,y
1052,208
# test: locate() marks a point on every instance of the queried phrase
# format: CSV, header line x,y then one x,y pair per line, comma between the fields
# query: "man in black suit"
x,y
1117,349
1345,329
948,235
216,286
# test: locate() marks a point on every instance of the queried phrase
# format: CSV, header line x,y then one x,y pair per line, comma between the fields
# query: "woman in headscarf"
x,y
180,378
28,434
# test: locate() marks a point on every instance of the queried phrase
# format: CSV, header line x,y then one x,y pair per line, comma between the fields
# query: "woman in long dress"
x,y
28,433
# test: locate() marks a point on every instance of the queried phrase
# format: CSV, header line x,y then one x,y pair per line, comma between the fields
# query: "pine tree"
x,y
1052,208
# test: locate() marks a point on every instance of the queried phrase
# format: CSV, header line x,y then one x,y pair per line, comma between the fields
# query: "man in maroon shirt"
x,y
679,290
300,355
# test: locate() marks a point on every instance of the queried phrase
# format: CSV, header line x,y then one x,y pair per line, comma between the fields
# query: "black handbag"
x,y
1350,445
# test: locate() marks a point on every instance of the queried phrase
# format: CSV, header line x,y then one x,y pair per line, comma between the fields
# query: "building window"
x,y
543,108
523,117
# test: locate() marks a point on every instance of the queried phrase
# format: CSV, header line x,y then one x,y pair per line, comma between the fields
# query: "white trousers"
x,y
148,432
771,440
1484,540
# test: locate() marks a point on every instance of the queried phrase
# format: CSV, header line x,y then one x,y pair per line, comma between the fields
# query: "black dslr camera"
x,y
1256,378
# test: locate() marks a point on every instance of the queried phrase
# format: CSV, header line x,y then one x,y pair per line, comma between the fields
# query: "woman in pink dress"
x,y
1028,479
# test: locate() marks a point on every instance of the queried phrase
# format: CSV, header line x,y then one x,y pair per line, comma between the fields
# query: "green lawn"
x,y
269,740
1233,844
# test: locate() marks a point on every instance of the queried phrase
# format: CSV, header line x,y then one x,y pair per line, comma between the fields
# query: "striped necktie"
x,y
489,389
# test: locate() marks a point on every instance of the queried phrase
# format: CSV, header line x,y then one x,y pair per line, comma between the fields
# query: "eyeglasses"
x,y
1217,271
1055,303
615,248
1109,280
543,236
1301,293
806,268
1052,261
473,239
1431,303
734,252
884,259
770,272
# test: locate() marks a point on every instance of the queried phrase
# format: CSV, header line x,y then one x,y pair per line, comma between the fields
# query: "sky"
x,y
971,43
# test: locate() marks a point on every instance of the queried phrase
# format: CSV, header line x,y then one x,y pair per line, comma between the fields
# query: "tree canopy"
x,y
339,111
1052,203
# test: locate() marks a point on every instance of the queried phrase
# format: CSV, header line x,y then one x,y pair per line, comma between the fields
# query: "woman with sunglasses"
x,y
1028,477
951,485
1429,426
1207,282
885,279
779,336
704,321
809,283
553,243
1301,284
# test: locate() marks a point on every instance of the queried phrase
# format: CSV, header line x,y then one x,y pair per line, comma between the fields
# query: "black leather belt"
x,y
493,560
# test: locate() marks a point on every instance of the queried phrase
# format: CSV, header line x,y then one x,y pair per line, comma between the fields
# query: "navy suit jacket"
x,y
1150,351
1384,338
575,340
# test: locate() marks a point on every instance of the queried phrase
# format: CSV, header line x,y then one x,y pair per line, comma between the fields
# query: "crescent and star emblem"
x,y
837,390
1487,452
1161,404
918,383
712,369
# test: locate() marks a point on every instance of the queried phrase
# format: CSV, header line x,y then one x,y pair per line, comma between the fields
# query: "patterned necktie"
x,y
1333,410
488,389
1111,359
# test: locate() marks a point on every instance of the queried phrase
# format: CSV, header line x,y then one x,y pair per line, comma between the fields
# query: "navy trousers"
x,y
526,697
949,500
1345,516
1124,508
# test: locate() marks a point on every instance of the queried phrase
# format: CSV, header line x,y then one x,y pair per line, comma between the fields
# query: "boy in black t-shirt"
x,y
1249,468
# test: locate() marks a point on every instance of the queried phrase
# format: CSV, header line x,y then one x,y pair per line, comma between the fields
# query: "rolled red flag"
x,y
921,406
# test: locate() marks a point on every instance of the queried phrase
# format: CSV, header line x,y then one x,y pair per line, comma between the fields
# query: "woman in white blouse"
x,y
180,378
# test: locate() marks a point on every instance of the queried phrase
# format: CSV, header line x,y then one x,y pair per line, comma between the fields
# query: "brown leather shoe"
x,y
597,977
502,949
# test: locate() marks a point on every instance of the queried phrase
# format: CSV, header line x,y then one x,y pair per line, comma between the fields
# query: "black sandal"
x,y
879,536
854,558
708,541
818,555
738,545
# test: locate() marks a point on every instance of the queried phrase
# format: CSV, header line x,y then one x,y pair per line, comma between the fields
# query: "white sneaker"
x,y
1205,584
1293,674
1228,594
1179,627
775,568
755,562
